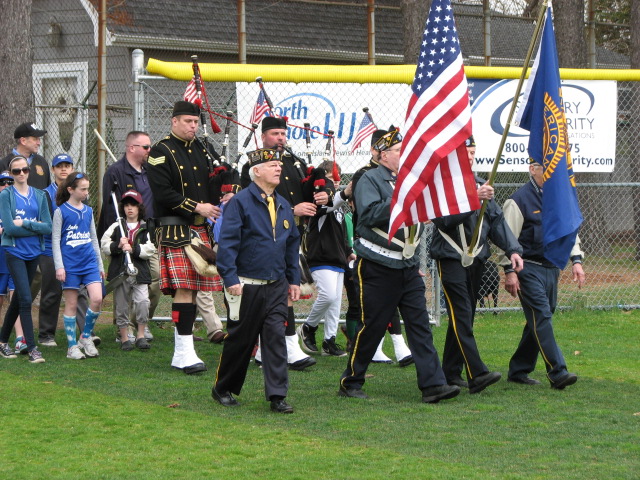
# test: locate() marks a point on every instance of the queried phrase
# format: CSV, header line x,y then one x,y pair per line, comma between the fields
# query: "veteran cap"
x,y
376,136
28,129
262,155
470,142
269,123
182,107
388,140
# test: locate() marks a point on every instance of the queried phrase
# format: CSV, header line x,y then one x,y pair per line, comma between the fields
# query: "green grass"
x,y
128,415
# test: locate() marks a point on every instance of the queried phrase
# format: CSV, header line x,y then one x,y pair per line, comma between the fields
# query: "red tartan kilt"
x,y
176,270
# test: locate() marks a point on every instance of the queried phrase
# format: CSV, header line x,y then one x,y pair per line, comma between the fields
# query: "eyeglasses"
x,y
4,183
18,171
146,147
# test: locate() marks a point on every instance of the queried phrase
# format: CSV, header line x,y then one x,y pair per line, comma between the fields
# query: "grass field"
x,y
128,415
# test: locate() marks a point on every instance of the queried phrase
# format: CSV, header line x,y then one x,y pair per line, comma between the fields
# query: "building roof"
x,y
309,31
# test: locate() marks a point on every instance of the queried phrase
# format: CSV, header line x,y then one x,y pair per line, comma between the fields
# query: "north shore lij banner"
x,y
590,108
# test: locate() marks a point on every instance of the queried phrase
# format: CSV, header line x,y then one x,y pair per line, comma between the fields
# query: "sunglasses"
x,y
18,171
146,147
4,183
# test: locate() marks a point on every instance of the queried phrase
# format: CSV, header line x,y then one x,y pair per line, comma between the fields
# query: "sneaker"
x,y
89,348
74,353
48,342
35,356
96,340
147,333
130,336
6,351
21,346
331,348
307,334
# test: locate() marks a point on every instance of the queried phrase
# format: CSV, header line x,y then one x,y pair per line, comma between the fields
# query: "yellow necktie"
x,y
272,210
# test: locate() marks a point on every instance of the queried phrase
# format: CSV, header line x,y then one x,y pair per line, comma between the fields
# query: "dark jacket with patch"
x,y
178,172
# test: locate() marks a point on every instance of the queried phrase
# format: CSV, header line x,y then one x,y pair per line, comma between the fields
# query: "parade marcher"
x,y
28,140
461,276
134,289
274,136
25,219
537,286
328,255
77,259
258,260
402,352
388,276
130,173
179,168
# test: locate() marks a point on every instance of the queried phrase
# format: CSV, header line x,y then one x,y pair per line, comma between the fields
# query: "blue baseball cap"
x,y
62,158
5,176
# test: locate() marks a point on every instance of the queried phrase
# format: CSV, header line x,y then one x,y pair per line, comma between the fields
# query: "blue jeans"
x,y
22,272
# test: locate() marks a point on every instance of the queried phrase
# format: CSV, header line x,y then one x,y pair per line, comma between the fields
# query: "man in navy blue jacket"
x,y
258,261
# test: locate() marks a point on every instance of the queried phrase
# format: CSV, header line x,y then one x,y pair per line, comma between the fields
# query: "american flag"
x,y
435,177
367,127
259,109
190,94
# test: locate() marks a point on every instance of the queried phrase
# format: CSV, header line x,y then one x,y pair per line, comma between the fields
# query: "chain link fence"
x,y
65,78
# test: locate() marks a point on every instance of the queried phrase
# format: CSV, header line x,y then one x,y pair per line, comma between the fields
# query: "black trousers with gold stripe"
x,y
459,285
263,311
382,290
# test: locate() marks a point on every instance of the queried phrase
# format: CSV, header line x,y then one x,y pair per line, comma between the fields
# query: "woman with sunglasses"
x,y
26,219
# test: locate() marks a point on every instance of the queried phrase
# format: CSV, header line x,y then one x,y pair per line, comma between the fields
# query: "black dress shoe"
x,y
351,392
302,364
565,381
406,361
225,399
195,368
439,392
483,381
281,406
458,382
526,380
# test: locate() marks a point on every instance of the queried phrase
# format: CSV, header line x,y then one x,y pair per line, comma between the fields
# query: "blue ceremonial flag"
x,y
542,113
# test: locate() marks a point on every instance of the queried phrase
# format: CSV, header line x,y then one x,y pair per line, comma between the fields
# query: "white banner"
x,y
590,109
328,106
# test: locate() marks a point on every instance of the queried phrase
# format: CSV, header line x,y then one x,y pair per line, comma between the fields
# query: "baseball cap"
x,y
28,129
5,175
132,195
61,158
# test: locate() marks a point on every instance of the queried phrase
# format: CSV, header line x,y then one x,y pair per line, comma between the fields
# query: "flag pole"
x,y
514,104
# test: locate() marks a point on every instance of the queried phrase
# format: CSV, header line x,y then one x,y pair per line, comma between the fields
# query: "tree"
x,y
570,35
414,16
634,42
16,94
610,15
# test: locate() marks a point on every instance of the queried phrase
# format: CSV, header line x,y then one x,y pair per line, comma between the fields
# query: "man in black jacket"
x,y
28,140
461,274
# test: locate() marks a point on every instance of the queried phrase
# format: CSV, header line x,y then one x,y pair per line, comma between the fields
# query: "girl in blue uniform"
x,y
76,255
25,219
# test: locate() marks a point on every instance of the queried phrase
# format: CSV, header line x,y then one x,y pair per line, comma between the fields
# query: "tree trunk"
x,y
414,16
635,119
569,24
16,94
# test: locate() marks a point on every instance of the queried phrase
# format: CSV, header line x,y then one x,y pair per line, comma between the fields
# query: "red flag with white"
x,y
191,94
435,177
261,107
367,127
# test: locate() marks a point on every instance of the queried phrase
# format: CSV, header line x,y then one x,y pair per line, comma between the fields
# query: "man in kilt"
x,y
178,171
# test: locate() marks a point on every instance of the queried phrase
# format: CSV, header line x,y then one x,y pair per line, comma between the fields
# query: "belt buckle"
x,y
198,220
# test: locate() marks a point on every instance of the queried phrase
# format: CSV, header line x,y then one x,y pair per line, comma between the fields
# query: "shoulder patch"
x,y
156,161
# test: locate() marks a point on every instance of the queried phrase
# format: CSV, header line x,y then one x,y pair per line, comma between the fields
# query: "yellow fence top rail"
x,y
231,72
